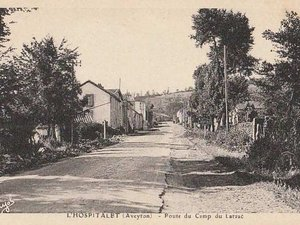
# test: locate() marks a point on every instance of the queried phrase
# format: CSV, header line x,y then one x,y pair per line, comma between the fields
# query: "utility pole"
x,y
226,91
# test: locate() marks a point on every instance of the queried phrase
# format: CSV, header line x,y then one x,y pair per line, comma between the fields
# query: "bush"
x,y
235,140
277,152
16,138
93,131
238,140
263,154
90,131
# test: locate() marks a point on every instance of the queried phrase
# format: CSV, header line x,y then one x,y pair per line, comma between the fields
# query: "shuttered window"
x,y
90,100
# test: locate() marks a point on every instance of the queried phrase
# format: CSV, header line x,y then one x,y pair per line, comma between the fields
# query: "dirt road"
x,y
198,183
156,171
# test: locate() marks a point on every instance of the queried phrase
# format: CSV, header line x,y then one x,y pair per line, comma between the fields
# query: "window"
x,y
90,100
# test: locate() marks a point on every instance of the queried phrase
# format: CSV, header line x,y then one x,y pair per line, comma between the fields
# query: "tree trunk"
x,y
212,118
219,119
51,131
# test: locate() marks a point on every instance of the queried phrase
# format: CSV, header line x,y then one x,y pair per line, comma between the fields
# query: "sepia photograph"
x,y
131,110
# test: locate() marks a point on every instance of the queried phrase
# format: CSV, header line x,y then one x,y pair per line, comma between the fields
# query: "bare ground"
x,y
196,182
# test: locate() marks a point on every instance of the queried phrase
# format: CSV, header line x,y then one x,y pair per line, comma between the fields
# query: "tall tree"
x,y
280,84
51,70
20,108
208,99
216,28
219,27
17,109
282,79
4,28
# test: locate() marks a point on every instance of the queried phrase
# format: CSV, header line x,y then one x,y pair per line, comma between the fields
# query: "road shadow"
x,y
198,174
152,131
147,145
162,125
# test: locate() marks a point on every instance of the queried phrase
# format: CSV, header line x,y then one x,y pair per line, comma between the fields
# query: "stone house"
x,y
103,104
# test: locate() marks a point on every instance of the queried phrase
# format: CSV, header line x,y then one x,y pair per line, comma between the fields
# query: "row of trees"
x,y
218,28
281,80
37,86
279,83
154,93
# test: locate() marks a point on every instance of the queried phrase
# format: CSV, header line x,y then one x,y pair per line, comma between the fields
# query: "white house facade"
x,y
102,105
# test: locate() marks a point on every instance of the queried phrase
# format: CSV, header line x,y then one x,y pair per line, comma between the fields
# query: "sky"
x,y
146,44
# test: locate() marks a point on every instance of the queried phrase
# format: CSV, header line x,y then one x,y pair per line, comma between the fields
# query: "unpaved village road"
x,y
155,171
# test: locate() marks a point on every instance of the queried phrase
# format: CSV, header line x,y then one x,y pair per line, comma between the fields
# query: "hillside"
x,y
167,103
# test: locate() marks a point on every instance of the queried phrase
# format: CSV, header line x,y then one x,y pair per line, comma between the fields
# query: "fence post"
x,y
258,130
254,129
104,129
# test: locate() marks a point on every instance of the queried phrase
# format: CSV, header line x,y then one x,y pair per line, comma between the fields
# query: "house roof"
x,y
116,92
256,104
113,90
101,88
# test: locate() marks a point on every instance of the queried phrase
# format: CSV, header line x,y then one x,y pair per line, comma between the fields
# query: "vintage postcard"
x,y
116,112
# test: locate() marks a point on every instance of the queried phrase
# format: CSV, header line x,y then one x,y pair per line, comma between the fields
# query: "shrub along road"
x,y
155,171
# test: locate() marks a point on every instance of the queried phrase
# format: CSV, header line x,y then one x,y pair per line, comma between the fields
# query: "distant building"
x,y
140,107
246,111
182,116
161,117
103,104
161,102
